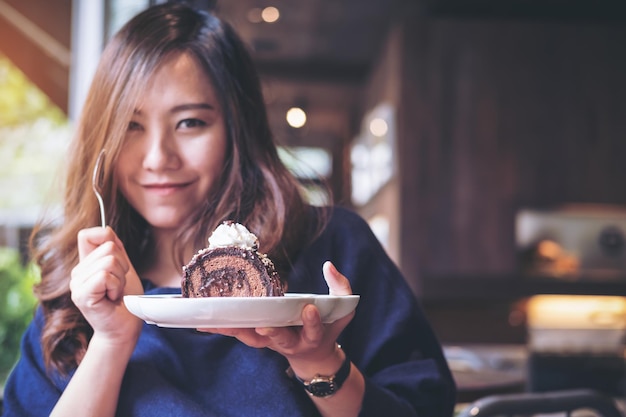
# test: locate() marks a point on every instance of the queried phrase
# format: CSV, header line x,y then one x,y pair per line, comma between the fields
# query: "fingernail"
x,y
310,314
261,331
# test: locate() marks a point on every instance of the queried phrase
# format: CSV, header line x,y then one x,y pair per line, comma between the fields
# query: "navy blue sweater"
x,y
181,372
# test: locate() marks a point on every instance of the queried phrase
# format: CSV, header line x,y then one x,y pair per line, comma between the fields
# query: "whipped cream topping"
x,y
233,234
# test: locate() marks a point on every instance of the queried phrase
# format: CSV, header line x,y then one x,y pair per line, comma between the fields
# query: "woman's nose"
x,y
161,153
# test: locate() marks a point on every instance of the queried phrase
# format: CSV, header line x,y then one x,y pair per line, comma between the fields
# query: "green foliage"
x,y
22,102
34,134
17,305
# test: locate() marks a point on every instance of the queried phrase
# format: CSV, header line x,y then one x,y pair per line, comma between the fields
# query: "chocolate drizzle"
x,y
230,272
224,282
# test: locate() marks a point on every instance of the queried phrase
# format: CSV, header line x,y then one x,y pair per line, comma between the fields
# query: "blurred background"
x,y
484,141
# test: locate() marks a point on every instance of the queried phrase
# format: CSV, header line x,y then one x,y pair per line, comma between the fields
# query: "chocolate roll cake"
x,y
231,266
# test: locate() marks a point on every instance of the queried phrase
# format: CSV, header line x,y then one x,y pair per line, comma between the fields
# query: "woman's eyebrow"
x,y
192,106
183,107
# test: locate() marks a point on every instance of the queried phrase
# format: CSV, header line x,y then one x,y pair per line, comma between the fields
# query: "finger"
x,y
115,287
95,289
312,328
290,340
267,331
100,242
337,283
281,339
106,271
89,239
105,257
106,284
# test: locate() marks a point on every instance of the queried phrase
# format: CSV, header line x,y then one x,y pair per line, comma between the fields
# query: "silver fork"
x,y
96,184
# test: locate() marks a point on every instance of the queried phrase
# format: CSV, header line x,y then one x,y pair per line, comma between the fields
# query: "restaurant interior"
x,y
483,141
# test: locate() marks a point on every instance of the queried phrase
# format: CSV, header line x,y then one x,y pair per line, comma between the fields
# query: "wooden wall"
x,y
498,115
35,35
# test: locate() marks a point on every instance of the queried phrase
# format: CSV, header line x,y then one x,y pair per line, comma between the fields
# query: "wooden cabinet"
x,y
496,115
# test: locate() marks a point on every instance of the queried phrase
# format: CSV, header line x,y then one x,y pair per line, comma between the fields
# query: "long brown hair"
x,y
256,189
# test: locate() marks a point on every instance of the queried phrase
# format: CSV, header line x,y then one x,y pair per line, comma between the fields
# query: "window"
x,y
372,154
312,166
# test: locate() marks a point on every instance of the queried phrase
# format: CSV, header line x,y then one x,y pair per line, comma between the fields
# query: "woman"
x,y
177,105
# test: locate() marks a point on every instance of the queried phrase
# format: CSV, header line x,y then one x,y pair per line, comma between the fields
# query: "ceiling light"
x,y
378,127
270,14
296,117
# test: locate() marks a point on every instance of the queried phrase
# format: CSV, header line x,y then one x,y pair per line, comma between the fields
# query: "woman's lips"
x,y
164,189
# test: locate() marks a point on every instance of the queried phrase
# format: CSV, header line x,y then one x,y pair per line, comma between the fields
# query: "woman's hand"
x,y
307,347
102,277
98,283
311,349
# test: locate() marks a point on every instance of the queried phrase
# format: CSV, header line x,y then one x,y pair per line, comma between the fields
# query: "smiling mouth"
x,y
165,188
163,185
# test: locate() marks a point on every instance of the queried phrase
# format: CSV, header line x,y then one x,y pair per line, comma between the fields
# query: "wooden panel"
x,y
52,16
500,115
43,55
571,10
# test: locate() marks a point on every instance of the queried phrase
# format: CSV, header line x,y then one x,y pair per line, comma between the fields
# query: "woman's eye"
x,y
190,123
133,126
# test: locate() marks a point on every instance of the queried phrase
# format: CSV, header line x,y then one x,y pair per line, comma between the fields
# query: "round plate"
x,y
173,310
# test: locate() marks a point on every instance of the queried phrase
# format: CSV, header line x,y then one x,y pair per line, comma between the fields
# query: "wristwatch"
x,y
324,385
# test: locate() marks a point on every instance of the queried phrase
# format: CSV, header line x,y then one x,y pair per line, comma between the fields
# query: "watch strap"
x,y
325,385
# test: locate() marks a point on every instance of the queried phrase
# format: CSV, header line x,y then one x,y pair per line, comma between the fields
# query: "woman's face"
x,y
175,145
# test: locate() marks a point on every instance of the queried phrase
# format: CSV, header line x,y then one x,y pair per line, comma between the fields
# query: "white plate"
x,y
173,310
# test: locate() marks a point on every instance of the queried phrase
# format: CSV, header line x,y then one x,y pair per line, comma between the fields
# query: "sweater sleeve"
x,y
389,339
30,391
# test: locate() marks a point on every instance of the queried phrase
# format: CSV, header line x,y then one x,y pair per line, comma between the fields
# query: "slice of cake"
x,y
231,266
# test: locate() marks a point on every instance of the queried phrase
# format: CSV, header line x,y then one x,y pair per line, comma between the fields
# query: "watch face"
x,y
321,387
